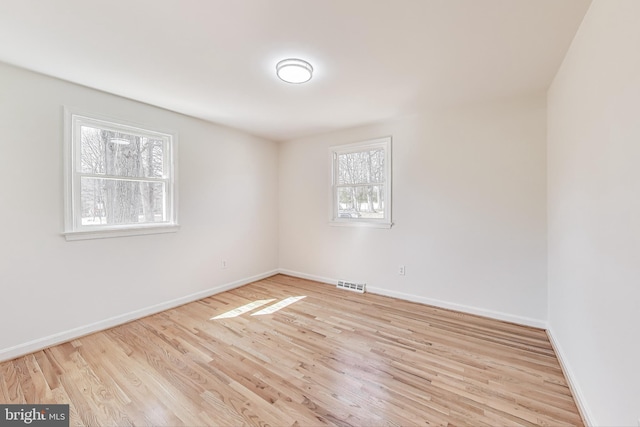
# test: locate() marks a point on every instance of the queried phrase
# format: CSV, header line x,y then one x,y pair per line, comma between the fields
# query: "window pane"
x,y
113,202
361,202
363,167
120,154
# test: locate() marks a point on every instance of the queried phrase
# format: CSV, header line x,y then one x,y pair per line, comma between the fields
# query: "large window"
x,y
361,183
119,179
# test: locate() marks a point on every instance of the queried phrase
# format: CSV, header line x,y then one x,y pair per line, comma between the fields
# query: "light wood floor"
x,y
331,358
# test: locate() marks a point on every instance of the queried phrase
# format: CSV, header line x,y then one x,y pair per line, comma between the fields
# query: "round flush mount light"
x,y
294,70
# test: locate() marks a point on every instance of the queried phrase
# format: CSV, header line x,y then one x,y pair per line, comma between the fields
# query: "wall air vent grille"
x,y
350,286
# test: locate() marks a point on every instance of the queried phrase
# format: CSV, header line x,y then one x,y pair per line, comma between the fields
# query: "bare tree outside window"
x,y
109,158
360,182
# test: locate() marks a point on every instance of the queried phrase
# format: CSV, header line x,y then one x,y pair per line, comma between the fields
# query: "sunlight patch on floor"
x,y
244,309
277,306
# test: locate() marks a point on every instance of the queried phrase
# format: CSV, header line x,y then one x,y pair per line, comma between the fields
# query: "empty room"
x,y
297,213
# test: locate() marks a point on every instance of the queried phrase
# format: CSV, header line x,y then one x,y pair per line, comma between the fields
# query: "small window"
x,y
361,183
119,179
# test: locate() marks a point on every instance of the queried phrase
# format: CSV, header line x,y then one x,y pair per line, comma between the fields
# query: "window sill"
x,y
120,232
367,224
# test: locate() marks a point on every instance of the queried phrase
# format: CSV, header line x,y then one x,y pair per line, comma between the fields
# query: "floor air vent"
x,y
350,286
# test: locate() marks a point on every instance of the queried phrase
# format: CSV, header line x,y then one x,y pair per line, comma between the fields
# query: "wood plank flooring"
x,y
331,358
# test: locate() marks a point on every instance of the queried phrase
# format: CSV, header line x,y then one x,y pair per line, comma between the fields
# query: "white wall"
x,y
468,206
594,211
227,209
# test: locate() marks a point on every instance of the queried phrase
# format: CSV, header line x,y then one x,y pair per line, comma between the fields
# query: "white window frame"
x,y
74,229
334,152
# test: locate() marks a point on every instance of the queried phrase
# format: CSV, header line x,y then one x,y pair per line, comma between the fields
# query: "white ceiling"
x,y
215,59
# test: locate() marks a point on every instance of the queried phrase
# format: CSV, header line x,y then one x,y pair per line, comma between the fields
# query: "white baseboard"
x,y
41,343
512,318
520,320
313,277
578,396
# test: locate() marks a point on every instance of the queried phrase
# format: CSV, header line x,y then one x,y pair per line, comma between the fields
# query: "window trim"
x,y
334,151
73,230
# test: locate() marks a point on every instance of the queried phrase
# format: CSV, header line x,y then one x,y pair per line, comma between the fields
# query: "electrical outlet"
x,y
401,270
224,264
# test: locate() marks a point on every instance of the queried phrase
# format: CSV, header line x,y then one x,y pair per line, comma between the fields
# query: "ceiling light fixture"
x,y
294,70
